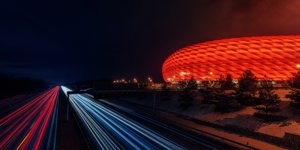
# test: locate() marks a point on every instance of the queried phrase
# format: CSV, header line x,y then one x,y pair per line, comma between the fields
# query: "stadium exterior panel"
x,y
271,57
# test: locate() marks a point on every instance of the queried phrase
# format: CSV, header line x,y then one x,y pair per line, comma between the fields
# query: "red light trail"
x,y
26,127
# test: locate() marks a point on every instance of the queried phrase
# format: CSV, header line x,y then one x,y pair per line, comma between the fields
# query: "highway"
x,y
110,126
33,125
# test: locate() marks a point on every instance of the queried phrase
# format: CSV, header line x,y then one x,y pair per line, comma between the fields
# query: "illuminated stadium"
x,y
274,57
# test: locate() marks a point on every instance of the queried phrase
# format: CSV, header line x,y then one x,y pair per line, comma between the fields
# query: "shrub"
x,y
295,104
228,107
294,95
269,118
187,96
208,95
294,83
165,93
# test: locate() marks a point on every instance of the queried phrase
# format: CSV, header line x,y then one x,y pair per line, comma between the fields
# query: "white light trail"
x,y
112,130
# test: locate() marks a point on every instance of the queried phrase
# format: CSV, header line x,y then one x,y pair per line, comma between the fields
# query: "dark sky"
x,y
68,40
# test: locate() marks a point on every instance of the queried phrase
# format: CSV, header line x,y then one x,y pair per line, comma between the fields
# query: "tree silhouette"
x,y
294,83
247,88
186,97
208,95
165,93
269,99
225,101
226,84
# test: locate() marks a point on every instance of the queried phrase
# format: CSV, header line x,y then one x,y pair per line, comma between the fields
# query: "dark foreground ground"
x,y
69,134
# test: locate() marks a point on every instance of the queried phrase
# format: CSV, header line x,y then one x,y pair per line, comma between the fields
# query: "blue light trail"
x,y
109,129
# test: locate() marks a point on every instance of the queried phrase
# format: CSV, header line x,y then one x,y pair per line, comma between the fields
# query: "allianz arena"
x,y
274,57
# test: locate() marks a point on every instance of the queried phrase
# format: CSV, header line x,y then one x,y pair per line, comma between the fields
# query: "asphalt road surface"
x,y
111,126
33,125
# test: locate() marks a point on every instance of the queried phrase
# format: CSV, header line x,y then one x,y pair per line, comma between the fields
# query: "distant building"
x,y
276,57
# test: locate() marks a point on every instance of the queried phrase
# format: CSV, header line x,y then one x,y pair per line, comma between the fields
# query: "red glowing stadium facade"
x,y
274,57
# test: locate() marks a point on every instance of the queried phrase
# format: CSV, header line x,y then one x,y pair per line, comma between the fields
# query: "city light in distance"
x,y
133,80
150,79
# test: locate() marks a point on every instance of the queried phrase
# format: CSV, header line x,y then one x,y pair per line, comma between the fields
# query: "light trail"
x,y
33,125
162,125
109,129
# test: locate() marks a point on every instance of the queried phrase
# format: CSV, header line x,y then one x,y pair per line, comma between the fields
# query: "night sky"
x,y
68,40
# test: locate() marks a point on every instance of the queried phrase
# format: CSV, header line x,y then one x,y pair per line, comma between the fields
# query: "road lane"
x,y
117,127
112,130
33,125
